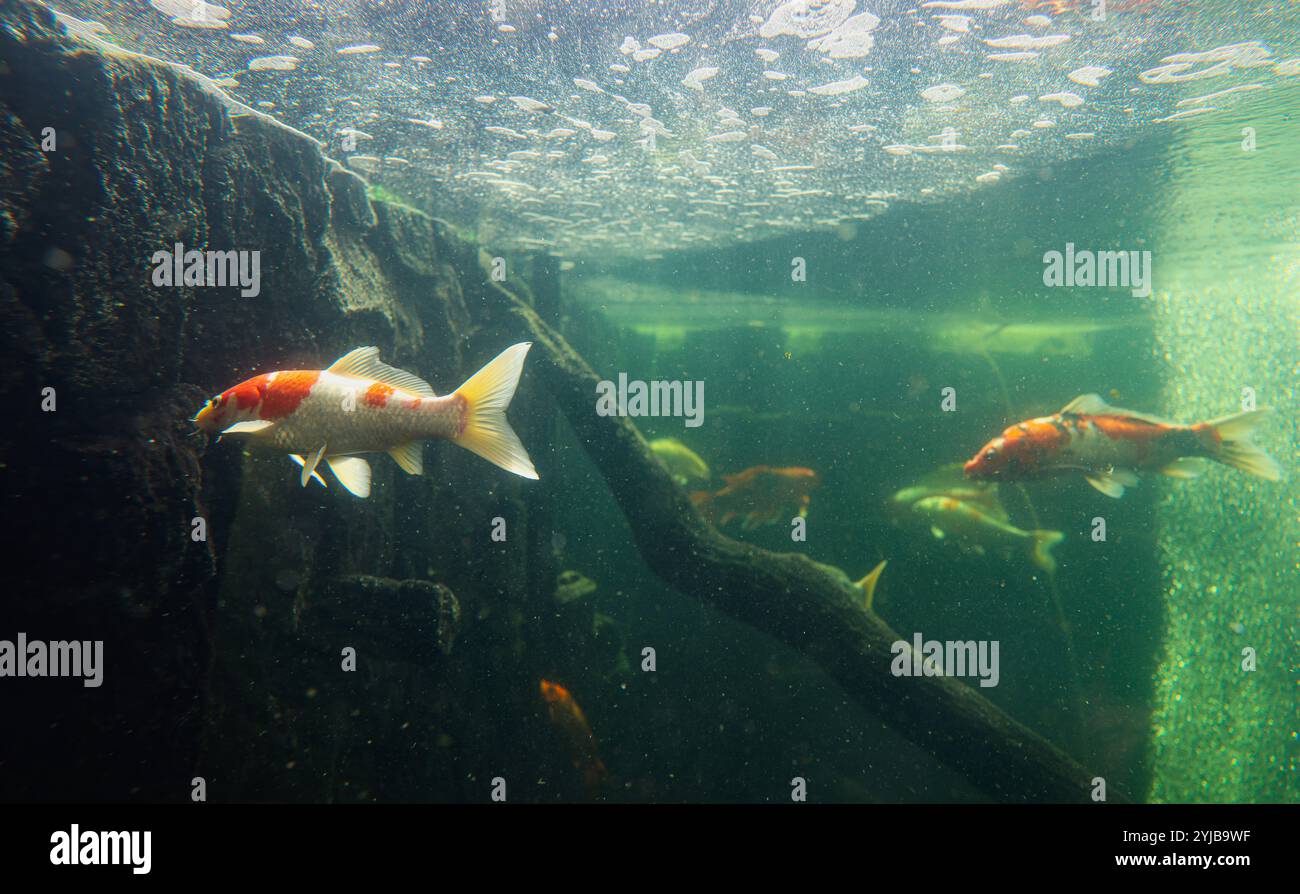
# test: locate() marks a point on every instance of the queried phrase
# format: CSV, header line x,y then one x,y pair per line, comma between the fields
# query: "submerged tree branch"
x,y
808,606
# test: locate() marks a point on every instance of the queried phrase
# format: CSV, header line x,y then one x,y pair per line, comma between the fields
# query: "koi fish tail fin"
x,y
1230,444
1041,551
487,395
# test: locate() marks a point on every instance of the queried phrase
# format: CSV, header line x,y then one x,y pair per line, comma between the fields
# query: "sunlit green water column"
x,y
1227,305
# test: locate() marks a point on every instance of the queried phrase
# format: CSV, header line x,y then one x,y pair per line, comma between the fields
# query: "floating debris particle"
x,y
273,63
851,40
942,93
695,80
964,4
193,13
1089,75
836,88
1027,42
359,49
806,18
528,104
670,41
1065,98
301,43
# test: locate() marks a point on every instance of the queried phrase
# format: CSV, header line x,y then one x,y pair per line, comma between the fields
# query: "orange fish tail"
x,y
1227,440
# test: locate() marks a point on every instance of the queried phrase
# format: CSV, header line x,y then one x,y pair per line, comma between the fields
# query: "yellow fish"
x,y
683,463
979,529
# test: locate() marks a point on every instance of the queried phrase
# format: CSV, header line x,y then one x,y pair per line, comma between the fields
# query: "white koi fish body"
x,y
361,405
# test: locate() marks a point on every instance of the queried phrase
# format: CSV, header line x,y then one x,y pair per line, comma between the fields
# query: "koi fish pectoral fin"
x,y
353,473
302,462
1112,482
309,466
252,427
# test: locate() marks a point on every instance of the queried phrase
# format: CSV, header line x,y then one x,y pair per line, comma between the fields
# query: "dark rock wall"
x,y
221,661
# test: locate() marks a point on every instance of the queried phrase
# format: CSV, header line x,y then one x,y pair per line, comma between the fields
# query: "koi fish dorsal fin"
x,y
868,585
1093,405
1088,405
364,363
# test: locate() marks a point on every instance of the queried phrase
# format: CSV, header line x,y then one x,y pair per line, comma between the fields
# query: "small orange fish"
x,y
1108,446
361,405
569,720
761,495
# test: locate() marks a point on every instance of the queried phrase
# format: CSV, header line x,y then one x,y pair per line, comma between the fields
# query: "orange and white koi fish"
x,y
571,723
1108,446
760,495
361,405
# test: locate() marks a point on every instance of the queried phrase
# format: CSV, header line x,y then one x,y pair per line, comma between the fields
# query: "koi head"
x,y
553,692
238,404
1008,456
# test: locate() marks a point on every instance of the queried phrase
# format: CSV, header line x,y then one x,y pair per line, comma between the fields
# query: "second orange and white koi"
x,y
1109,446
362,405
